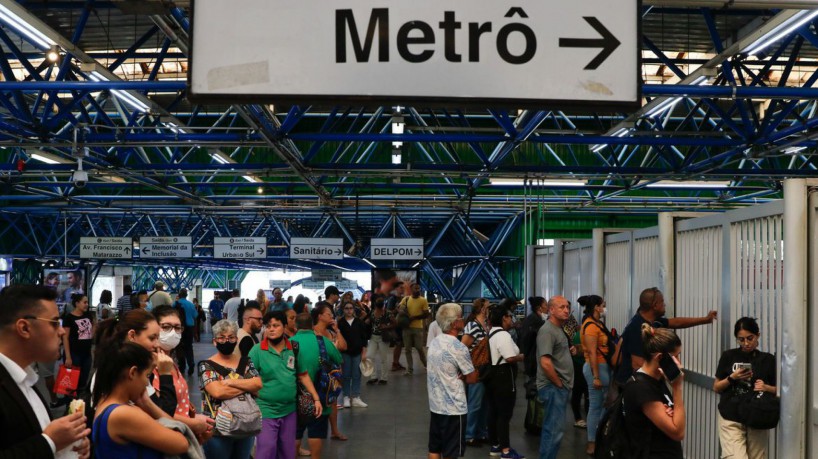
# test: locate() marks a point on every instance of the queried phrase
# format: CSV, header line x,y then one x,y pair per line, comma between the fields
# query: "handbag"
x,y
329,376
304,403
67,381
403,314
239,416
761,410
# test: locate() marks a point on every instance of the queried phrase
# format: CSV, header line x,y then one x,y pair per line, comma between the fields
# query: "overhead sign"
x,y
282,284
313,248
240,247
166,247
396,249
326,274
503,52
313,285
111,248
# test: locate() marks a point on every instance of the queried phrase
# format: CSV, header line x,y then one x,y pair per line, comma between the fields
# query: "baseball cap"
x,y
331,290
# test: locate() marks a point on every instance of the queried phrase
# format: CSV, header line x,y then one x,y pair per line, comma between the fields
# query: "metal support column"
x,y
598,262
667,235
530,273
558,266
792,429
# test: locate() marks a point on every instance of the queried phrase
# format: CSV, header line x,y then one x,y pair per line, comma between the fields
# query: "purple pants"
x,y
277,438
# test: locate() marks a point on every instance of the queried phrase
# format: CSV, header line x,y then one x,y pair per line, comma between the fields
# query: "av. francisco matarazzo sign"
x,y
497,50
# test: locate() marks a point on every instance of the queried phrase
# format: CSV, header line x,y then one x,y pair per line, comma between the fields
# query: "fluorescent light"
x,y
369,262
535,182
792,150
25,29
700,185
398,126
124,96
49,158
663,106
251,179
44,159
621,132
396,157
788,26
220,157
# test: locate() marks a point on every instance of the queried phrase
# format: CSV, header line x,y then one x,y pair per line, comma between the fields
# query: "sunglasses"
x,y
56,323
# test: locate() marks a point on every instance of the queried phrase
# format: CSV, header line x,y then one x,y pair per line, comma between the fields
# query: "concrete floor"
x,y
396,423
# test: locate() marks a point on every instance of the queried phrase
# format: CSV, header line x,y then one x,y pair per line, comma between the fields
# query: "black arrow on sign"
x,y
339,252
608,42
261,251
146,251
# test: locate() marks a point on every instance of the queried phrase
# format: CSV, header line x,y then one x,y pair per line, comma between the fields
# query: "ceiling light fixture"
x,y
53,53
700,185
48,158
25,29
124,96
621,132
784,29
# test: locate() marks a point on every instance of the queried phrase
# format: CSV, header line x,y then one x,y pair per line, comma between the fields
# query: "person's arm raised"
x,y
687,322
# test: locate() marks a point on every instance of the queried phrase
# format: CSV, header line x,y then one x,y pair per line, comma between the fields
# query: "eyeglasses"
x,y
171,327
222,339
748,339
56,323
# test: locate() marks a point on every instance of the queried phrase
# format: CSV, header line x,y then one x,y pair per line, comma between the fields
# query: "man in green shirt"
x,y
309,364
275,361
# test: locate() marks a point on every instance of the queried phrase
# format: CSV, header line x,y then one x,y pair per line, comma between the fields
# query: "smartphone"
x,y
742,366
669,367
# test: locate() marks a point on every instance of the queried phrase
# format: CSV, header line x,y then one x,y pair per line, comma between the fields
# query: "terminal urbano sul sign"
x,y
502,52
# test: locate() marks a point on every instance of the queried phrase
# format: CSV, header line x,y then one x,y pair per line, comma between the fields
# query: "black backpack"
x,y
612,439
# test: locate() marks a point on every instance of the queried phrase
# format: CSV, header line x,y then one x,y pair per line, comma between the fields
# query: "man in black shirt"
x,y
651,311
248,333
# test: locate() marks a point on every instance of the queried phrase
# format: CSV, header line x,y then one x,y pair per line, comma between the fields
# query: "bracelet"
x,y
316,401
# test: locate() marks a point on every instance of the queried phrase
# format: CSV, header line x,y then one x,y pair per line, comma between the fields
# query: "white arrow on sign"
x,y
313,248
396,249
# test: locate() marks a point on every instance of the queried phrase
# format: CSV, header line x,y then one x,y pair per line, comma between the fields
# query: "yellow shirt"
x,y
415,307
601,340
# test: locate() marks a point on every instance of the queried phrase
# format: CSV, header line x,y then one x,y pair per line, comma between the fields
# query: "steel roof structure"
x,y
728,111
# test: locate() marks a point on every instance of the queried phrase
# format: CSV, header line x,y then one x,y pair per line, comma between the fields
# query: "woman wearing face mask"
x,y
140,327
242,378
78,337
169,337
598,346
734,382
119,429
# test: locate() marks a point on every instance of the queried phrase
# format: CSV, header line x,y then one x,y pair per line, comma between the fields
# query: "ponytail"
x,y
112,333
589,302
658,340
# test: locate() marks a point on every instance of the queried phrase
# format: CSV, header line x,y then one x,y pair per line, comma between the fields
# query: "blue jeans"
x,y
555,402
228,448
352,375
596,397
476,421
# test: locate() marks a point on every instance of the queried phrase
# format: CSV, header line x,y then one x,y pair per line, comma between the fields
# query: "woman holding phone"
x,y
655,414
740,371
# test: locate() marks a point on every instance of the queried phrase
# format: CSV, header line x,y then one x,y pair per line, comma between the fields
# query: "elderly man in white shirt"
x,y
449,366
31,331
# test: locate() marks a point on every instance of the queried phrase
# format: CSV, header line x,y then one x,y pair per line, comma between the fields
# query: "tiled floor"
x,y
396,423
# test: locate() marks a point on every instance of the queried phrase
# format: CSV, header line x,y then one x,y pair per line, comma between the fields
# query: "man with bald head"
x,y
651,311
555,375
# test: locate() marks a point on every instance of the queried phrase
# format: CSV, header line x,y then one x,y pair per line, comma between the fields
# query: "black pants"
x,y
184,354
501,392
579,392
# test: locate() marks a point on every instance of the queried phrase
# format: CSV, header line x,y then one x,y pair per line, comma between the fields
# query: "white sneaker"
x,y
358,403
346,402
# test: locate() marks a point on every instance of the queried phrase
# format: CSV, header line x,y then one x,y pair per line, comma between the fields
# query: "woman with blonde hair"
x,y
263,301
653,397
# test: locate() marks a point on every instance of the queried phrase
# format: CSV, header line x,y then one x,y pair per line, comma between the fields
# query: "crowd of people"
x,y
280,371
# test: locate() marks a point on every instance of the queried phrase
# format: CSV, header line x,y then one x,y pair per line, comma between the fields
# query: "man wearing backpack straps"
x,y
555,375
309,361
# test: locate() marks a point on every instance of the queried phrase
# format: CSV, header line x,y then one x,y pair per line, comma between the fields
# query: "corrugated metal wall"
x,y
618,280
544,279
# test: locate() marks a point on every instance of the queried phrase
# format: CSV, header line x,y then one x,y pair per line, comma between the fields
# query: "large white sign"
x,y
111,248
509,52
312,248
396,249
166,247
240,247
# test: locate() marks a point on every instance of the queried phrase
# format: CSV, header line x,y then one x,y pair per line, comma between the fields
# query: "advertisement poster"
x,y
65,282
393,281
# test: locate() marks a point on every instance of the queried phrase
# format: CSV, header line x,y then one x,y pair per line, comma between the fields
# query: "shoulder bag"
x,y
239,416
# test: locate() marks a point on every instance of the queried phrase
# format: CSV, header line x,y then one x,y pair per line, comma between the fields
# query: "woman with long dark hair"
x,y
743,371
119,429
598,350
78,337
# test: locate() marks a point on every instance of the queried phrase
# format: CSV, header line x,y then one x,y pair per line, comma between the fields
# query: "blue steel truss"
x,y
160,165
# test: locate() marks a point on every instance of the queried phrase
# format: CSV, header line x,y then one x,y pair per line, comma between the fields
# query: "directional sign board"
x,y
111,248
313,248
166,247
239,247
496,52
397,249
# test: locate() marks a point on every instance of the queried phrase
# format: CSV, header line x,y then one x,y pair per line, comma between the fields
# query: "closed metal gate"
x,y
544,278
618,280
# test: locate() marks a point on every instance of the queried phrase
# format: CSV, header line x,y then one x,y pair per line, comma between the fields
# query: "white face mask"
x,y
169,340
544,315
